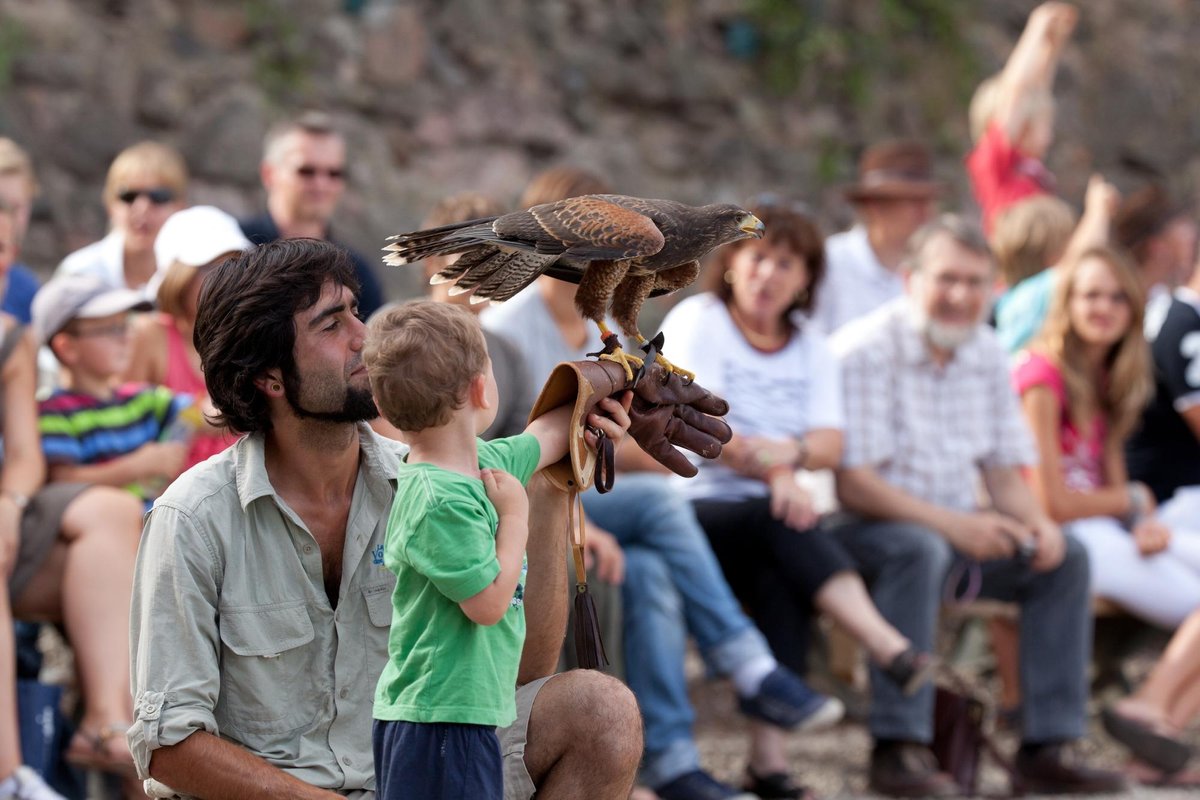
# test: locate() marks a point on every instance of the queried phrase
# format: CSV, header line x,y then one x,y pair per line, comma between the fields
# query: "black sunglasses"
x,y
159,197
335,174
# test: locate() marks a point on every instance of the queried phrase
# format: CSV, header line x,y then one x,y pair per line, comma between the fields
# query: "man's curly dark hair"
x,y
245,320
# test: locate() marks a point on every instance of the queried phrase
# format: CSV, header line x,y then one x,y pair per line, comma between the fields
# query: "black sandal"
x,y
775,786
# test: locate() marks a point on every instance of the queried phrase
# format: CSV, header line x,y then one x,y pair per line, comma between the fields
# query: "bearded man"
x,y
930,417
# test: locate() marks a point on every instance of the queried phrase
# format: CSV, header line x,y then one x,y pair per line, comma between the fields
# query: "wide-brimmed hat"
x,y
897,169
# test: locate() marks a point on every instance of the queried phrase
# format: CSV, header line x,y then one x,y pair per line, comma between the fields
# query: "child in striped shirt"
x,y
100,431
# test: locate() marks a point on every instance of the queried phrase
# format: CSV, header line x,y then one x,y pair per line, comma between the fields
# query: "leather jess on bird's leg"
x,y
666,413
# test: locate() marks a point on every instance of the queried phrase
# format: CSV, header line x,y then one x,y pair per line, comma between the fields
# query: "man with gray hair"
x,y
930,416
304,172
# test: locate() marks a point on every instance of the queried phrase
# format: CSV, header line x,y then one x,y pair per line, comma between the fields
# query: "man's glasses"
x,y
309,172
158,197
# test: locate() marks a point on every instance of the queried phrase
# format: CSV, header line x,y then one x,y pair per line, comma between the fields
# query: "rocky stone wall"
x,y
697,100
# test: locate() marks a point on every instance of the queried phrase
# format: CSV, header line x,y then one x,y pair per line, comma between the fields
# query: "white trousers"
x,y
1162,588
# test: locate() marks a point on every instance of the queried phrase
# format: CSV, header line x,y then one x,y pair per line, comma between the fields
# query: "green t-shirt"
x,y
441,543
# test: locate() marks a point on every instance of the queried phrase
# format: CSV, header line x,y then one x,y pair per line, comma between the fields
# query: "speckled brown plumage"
x,y
620,250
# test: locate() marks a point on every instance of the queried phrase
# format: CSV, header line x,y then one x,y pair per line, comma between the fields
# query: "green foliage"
x,y
847,50
14,42
283,59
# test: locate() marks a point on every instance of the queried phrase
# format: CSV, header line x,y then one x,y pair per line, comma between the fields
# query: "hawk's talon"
x,y
619,356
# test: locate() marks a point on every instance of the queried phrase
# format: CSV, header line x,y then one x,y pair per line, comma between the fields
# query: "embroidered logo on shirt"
x,y
377,555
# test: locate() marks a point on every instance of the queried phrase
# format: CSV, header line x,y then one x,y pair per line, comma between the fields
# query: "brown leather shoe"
x,y
908,769
1050,770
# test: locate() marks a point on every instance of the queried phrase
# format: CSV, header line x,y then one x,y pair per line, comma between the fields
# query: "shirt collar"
x,y
379,457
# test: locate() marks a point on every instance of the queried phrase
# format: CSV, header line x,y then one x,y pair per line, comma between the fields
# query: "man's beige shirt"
x,y
232,631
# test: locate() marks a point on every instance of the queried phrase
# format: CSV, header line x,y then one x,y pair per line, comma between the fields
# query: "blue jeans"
x,y
673,586
906,566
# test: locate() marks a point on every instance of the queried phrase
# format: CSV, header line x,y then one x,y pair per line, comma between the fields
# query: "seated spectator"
x,y
1083,385
1012,116
930,412
1164,451
189,245
1160,233
18,187
748,340
146,183
672,581
1032,237
1150,722
895,195
303,171
99,431
66,555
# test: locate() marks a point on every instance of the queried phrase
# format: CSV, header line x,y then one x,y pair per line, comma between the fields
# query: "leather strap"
x,y
575,529
606,461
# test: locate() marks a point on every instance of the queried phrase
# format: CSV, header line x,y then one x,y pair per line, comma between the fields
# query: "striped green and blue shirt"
x,y
78,428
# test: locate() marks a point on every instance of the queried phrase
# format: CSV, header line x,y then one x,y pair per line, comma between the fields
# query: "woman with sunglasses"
x,y
146,183
749,340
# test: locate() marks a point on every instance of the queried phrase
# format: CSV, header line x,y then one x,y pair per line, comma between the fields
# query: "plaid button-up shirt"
x,y
927,428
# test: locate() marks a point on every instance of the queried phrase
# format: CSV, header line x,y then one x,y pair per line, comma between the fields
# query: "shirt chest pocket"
x,y
270,669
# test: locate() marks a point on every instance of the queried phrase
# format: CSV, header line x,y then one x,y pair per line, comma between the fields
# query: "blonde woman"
x,y
146,183
1083,386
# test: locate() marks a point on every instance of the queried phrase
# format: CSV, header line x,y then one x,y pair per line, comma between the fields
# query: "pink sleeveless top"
x,y
1082,450
183,378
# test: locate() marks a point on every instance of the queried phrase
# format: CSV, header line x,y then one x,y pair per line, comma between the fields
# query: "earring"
x,y
275,387
729,277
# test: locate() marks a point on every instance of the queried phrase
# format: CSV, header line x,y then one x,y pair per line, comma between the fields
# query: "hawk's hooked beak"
x,y
752,225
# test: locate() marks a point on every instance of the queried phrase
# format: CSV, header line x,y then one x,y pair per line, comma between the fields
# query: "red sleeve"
x,y
996,177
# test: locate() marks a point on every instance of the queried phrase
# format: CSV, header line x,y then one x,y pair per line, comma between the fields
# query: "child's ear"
x,y
478,392
62,345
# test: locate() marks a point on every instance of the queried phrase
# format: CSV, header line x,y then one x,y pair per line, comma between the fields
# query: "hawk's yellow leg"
x,y
616,354
687,375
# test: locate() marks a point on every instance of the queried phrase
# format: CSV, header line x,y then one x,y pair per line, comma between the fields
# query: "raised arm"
x,y
1033,61
1099,205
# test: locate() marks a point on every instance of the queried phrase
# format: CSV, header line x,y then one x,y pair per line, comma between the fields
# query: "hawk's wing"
x,y
501,256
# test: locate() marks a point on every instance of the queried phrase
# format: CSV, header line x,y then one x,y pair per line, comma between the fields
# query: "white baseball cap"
x,y
196,236
71,297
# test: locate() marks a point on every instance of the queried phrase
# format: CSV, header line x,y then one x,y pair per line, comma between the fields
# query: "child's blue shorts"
x,y
436,761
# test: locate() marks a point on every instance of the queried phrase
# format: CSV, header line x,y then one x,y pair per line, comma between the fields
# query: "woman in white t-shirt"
x,y
747,341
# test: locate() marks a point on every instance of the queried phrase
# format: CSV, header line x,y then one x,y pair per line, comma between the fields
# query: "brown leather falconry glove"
x,y
668,412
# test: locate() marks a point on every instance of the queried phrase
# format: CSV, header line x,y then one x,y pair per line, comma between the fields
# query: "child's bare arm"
x,y
1099,206
1034,60
153,460
512,507
551,429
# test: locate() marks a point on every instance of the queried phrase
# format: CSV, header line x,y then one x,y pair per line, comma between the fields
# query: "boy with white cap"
x,y
97,431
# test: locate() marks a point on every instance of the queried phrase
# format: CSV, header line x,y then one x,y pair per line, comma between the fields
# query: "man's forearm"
x,y
863,492
1012,496
206,766
546,582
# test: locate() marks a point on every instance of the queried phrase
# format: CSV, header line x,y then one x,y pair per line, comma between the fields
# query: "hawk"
x,y
620,250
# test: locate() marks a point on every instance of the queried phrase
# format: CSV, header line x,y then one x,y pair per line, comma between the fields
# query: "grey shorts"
x,y
518,785
41,523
